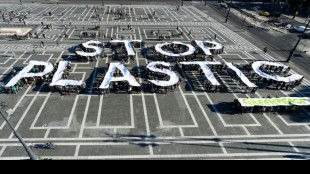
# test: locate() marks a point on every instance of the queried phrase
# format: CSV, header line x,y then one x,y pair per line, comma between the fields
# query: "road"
x,y
118,2
279,44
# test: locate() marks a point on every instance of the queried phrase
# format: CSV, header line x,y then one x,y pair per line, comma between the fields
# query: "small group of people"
x,y
10,16
49,26
85,34
20,84
67,90
121,86
138,44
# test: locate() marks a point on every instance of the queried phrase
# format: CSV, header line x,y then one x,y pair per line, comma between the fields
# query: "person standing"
x,y
15,90
254,90
13,54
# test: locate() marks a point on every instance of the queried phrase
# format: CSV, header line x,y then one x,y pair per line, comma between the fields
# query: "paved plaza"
x,y
189,123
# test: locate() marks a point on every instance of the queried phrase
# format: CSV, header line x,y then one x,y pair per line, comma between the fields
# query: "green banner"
x,y
284,101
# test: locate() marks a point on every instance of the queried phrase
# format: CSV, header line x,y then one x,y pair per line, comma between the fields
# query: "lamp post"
x,y
299,8
294,49
263,4
32,155
228,12
243,23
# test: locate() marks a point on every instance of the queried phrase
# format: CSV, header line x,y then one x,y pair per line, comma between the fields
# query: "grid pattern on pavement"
x,y
189,123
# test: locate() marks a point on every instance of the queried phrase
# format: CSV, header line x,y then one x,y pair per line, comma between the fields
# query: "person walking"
x,y
34,51
13,54
265,50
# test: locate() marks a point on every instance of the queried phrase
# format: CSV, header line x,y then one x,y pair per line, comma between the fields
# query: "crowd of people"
x,y
47,79
275,70
151,75
120,52
216,69
10,16
268,83
209,45
26,82
121,86
179,48
86,58
68,89
171,48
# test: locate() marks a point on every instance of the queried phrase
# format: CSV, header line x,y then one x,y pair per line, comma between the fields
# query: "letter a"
x,y
126,76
